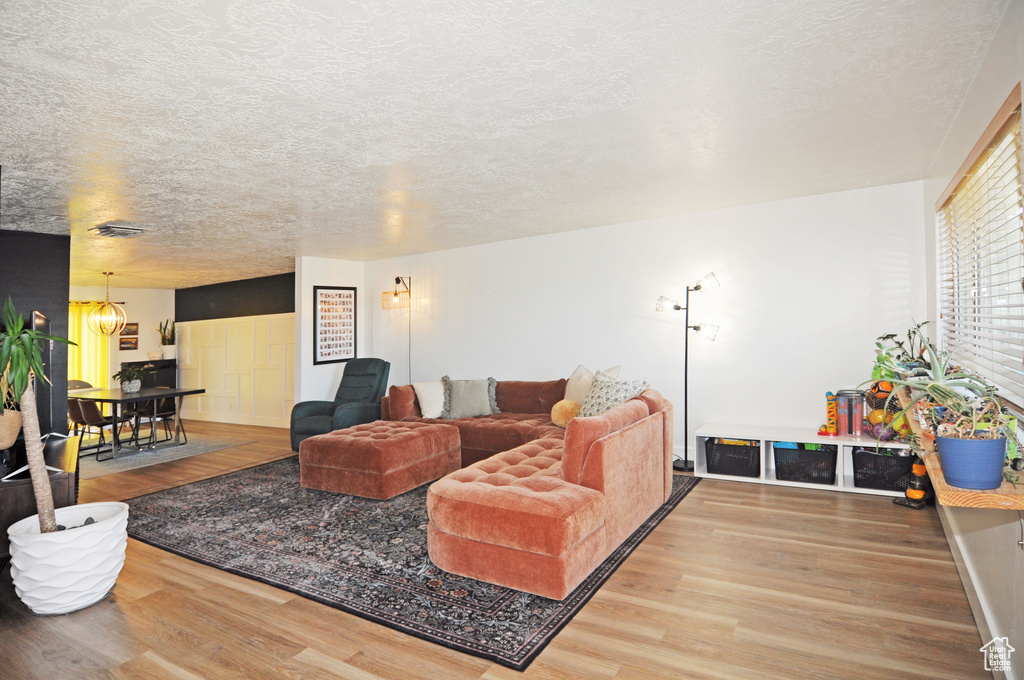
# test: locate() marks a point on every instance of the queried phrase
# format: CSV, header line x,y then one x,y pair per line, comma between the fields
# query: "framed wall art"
x,y
130,329
128,343
334,324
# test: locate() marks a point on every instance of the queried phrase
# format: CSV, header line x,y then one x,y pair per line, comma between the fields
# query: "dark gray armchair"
x,y
357,401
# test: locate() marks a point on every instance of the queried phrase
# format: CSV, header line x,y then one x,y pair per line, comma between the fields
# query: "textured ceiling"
x,y
243,133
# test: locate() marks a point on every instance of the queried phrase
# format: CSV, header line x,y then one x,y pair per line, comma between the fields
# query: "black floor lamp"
x,y
705,330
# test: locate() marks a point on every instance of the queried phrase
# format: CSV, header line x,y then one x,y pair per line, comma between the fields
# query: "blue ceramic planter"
x,y
972,463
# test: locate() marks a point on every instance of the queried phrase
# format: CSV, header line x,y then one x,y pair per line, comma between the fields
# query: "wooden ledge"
x,y
1006,497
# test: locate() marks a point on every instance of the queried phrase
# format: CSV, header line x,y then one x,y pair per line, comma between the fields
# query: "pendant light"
x,y
108,318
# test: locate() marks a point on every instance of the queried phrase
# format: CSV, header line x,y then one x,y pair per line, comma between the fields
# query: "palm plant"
x,y
21,359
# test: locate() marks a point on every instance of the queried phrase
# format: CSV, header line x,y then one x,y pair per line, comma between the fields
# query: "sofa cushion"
x,y
502,431
527,396
378,447
608,393
400,403
538,514
540,458
468,398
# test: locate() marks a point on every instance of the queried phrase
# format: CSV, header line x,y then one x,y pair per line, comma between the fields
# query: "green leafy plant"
x,y
21,358
958,403
130,373
166,332
898,358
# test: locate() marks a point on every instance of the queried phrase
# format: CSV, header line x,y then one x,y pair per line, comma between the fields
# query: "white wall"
x,y
245,364
983,541
807,286
321,382
145,306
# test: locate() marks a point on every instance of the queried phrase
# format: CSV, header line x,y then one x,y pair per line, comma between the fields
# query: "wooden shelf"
x,y
1006,497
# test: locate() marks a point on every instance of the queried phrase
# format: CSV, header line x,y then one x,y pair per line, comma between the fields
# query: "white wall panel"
x,y
245,364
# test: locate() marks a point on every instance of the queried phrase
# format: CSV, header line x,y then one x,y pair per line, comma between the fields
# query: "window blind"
x,y
981,264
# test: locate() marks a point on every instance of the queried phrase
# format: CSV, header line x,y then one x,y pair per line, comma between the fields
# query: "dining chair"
x,y
90,418
165,412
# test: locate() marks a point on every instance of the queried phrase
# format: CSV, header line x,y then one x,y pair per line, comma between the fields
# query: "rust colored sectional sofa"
x,y
535,507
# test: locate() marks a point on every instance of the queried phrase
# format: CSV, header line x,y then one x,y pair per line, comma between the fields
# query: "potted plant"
x,y
130,377
56,568
10,416
166,329
962,411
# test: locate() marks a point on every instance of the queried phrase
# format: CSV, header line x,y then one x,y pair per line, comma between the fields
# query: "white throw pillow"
x,y
608,393
431,398
581,380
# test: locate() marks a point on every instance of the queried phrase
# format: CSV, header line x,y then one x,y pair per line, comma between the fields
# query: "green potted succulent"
x,y
167,339
130,377
960,409
64,559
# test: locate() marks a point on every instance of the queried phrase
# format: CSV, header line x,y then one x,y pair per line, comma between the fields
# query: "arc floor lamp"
x,y
706,330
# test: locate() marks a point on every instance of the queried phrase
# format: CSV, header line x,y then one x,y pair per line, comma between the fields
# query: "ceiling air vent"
x,y
118,229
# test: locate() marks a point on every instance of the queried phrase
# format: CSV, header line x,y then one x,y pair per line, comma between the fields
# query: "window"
x,y
981,257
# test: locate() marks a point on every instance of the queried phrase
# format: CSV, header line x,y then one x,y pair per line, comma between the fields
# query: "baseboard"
x,y
235,419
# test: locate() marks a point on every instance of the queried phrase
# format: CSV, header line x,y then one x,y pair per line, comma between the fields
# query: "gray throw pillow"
x,y
469,398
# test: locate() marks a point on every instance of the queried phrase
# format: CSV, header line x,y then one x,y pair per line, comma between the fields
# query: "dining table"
x,y
118,398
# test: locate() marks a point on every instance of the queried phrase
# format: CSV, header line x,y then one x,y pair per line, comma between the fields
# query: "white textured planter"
x,y
64,571
131,385
170,351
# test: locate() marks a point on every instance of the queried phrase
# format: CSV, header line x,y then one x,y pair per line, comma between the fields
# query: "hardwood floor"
x,y
741,581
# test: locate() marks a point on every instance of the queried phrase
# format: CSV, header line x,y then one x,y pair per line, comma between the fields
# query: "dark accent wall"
x,y
251,297
36,275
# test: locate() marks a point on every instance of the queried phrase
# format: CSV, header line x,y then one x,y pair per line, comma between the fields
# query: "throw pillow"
x,y
431,398
581,380
563,412
608,393
469,398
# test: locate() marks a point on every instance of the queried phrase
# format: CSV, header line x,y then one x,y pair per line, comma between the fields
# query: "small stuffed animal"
x,y
563,412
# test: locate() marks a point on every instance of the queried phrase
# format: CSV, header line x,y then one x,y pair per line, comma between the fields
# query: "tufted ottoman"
x,y
379,460
513,520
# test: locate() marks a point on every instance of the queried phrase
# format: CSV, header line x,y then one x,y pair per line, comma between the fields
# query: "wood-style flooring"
x,y
741,581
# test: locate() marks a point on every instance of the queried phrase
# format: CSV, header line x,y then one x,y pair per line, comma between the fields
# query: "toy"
x,y
876,416
879,392
919,492
831,426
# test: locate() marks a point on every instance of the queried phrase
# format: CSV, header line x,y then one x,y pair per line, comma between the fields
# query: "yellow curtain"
x,y
90,360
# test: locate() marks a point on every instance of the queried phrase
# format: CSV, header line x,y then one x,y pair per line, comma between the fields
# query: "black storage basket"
x,y
878,471
732,459
806,465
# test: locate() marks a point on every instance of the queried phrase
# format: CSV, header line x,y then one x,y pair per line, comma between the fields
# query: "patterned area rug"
x,y
130,458
363,556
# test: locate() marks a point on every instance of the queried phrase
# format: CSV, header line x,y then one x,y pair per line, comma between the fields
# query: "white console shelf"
x,y
768,435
